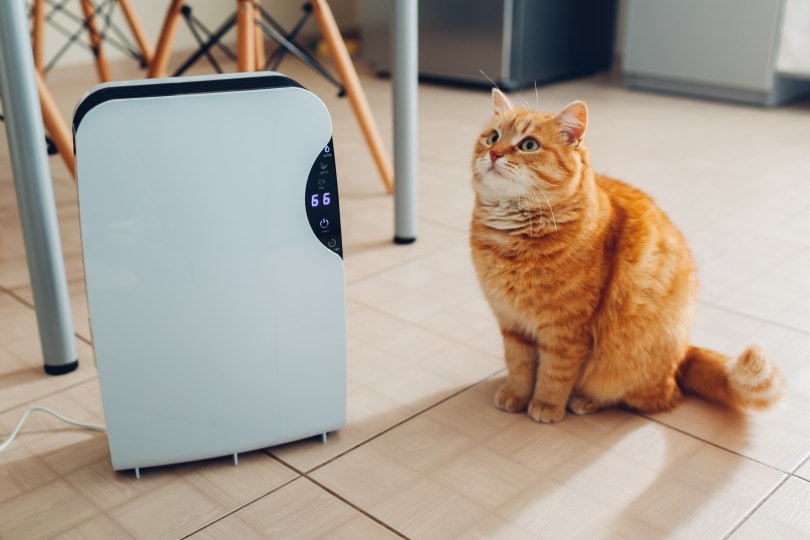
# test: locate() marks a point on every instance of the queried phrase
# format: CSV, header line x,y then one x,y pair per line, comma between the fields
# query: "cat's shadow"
x,y
687,473
644,476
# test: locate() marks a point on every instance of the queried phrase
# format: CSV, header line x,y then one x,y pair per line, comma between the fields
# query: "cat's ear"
x,y
573,121
500,102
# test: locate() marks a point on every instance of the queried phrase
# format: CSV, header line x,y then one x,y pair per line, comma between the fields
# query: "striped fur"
x,y
592,285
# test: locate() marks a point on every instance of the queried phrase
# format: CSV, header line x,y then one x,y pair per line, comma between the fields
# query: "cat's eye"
x,y
529,145
493,137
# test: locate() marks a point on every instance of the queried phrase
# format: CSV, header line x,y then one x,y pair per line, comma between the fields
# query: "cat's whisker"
x,y
538,207
518,194
550,100
539,211
524,100
550,209
493,83
539,215
528,208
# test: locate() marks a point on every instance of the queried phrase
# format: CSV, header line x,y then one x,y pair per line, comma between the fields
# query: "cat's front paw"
x,y
540,411
508,400
581,405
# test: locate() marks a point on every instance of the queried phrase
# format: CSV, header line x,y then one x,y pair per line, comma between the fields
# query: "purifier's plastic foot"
x,y
236,460
323,438
137,473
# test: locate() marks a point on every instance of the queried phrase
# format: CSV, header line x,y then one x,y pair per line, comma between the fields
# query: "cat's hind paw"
x,y
508,400
546,413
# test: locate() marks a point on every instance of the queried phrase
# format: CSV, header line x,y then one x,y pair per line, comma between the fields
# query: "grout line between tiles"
x,y
31,403
239,508
799,466
307,474
756,507
710,443
753,317
359,509
26,303
392,427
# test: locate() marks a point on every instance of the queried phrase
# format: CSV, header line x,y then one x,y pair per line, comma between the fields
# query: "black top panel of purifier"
x,y
321,201
181,86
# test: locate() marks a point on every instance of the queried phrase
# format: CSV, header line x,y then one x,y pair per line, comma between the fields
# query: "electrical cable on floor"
x,y
5,444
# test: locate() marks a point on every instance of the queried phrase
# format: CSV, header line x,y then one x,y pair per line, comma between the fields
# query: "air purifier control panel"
x,y
321,201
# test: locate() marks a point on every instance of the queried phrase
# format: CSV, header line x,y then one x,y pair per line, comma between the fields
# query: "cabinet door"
x,y
716,42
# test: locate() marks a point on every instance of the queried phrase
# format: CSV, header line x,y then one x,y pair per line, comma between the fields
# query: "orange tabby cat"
x,y
591,284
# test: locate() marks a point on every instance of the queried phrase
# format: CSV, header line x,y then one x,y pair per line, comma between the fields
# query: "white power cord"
x,y
5,444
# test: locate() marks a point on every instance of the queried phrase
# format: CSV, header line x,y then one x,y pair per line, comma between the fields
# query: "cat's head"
x,y
521,153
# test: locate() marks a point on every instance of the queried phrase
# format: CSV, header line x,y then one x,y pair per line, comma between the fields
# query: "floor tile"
x,y
234,486
426,509
804,470
775,436
303,510
634,475
786,514
22,471
109,489
172,510
226,529
22,516
100,526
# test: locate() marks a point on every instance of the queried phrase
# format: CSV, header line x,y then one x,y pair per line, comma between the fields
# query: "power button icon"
x,y
324,223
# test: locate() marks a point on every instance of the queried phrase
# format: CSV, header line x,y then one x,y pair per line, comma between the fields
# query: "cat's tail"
x,y
750,381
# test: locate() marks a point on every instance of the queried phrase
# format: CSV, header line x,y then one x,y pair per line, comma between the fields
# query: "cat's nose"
x,y
495,154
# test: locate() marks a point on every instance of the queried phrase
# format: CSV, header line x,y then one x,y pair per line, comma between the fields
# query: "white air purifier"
x,y
213,265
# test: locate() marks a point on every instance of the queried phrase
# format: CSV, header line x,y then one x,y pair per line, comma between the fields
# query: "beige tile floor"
x,y
424,452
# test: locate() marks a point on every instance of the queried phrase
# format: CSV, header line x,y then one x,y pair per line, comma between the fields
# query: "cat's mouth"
x,y
494,169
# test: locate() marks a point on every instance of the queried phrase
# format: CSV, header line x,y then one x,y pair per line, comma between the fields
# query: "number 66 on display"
x,y
324,199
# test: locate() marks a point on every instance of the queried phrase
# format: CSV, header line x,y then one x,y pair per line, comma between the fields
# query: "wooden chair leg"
x,y
56,126
38,35
157,67
261,58
137,31
246,31
357,97
95,41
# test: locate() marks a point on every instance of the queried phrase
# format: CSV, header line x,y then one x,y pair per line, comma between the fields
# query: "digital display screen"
x,y
322,204
320,199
